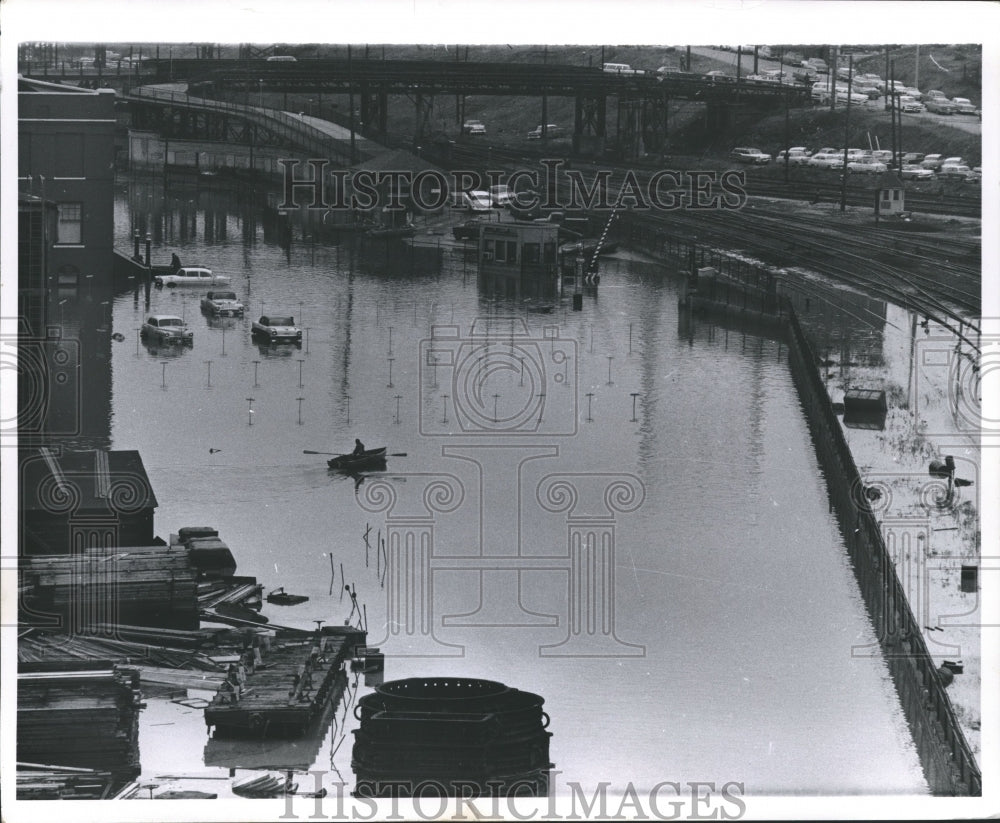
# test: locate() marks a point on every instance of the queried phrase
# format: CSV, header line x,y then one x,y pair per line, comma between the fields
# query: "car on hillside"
x,y
551,130
932,161
866,165
882,155
166,328
910,105
749,155
191,276
934,94
826,160
222,304
276,327
954,171
797,156
939,105
964,106
912,157
913,172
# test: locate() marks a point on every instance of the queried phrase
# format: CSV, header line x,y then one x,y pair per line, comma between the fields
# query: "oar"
x,y
347,454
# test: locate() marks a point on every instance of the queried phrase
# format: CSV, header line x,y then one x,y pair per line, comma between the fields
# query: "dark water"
x,y
669,578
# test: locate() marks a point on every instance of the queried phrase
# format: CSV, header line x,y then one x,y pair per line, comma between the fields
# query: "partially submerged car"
x,y
166,328
276,327
191,276
222,304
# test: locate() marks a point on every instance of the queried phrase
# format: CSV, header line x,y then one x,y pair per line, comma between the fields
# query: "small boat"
x,y
282,598
368,459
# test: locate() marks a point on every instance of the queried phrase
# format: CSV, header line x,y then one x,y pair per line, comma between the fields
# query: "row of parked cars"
x,y
913,165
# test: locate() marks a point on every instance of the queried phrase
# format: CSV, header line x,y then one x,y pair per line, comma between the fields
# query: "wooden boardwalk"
x,y
278,691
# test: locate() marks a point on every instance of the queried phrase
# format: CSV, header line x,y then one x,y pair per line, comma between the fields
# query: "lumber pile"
x,y
152,585
36,781
85,718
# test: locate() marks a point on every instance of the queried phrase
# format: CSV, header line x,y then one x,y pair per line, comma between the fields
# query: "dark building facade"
x,y
86,499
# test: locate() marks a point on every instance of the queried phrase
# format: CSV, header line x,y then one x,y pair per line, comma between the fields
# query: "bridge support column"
x,y
424,119
654,123
718,116
630,138
590,125
374,109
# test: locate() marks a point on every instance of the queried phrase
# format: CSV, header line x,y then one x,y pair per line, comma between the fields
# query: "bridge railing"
x,y
309,137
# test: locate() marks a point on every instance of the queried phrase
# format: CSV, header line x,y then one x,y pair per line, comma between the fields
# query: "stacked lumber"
x,y
264,785
242,591
208,553
54,647
153,585
36,781
86,719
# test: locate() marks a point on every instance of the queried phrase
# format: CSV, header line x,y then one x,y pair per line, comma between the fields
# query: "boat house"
x,y
519,260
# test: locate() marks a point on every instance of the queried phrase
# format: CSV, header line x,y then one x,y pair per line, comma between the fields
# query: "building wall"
x,y
68,138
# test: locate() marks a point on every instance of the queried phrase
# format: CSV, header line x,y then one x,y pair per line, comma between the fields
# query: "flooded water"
x,y
655,557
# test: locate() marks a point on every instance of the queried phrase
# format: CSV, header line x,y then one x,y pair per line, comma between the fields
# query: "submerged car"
x,y
166,328
191,276
276,327
222,304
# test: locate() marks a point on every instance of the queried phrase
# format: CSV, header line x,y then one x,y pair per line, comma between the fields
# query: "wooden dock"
x,y
281,690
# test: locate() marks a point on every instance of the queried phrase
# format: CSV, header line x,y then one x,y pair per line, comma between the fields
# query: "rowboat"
x,y
282,598
368,459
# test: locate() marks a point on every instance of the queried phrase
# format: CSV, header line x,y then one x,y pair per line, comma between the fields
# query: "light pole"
x,y
260,94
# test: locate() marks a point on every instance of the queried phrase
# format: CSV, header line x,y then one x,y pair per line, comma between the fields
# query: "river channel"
x,y
729,643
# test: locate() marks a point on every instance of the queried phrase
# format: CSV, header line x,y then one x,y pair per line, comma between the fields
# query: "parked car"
x,y
913,157
473,127
276,327
796,156
964,106
749,155
552,130
939,105
951,161
913,172
469,230
166,328
191,276
882,155
954,171
934,94
910,105
222,304
866,165
476,200
826,160
720,77
500,196
932,161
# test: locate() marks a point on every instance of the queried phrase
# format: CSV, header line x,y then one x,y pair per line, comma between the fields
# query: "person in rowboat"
x,y
359,447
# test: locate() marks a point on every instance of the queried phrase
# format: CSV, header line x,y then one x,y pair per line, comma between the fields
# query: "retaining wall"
x,y
743,292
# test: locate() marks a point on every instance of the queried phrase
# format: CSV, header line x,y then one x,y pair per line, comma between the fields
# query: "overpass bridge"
x,y
642,98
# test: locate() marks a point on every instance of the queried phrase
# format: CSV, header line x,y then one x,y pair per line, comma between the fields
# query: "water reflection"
x,y
730,576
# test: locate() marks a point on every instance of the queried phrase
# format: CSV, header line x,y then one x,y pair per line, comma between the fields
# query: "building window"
x,y
895,194
530,252
511,251
70,223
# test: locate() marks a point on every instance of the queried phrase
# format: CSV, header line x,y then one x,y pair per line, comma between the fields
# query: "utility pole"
x,y
847,133
756,55
892,108
833,79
